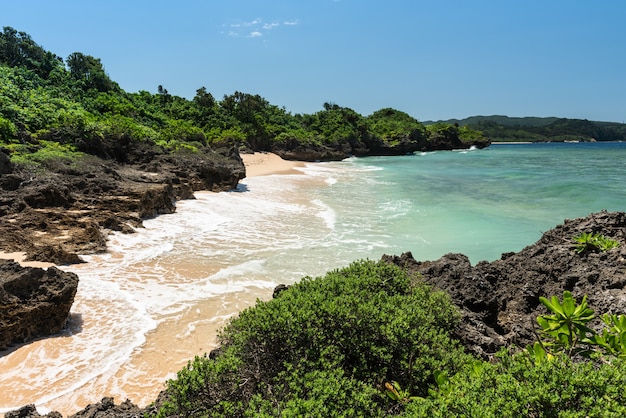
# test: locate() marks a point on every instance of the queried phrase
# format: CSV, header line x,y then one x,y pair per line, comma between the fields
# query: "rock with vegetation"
x,y
35,302
499,300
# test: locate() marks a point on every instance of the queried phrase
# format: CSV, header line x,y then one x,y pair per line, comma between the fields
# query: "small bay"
x,y
159,296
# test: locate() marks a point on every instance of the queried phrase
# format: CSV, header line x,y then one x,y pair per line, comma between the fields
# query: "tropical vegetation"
x,y
45,99
365,340
370,340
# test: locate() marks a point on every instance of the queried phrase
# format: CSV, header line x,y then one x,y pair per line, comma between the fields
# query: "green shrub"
x,y
7,130
588,242
566,331
566,326
328,344
390,124
226,137
518,387
45,154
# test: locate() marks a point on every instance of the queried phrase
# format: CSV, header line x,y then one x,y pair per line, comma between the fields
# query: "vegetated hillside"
x,y
79,155
50,105
501,120
500,128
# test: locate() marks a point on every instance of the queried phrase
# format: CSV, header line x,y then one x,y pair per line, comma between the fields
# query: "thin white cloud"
x,y
255,28
270,26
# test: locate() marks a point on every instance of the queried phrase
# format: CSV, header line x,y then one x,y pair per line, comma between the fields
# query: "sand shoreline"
x,y
20,258
257,164
266,163
158,358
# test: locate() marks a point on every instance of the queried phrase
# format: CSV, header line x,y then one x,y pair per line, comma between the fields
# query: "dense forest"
x,y
52,106
503,128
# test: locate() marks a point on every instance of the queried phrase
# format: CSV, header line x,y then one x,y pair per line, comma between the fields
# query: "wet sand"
x,y
20,258
167,348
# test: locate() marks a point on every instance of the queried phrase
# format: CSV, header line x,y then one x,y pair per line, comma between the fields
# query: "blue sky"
x,y
435,59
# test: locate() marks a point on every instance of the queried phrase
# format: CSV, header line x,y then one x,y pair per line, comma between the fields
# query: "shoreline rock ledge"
x,y
35,302
499,300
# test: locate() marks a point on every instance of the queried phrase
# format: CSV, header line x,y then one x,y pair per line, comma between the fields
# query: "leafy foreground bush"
x,y
516,386
371,341
325,347
549,378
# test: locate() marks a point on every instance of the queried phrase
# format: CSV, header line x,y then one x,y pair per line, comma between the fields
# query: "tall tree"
x,y
90,72
17,49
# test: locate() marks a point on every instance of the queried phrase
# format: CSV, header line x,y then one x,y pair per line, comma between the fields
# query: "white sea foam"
x,y
272,230
326,213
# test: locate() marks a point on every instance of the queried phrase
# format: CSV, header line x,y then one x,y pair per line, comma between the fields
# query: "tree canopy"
x,y
75,103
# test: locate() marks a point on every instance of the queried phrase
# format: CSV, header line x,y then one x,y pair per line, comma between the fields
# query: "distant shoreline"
x,y
511,142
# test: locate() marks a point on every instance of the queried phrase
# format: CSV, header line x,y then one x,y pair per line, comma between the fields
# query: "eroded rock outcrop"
x,y
499,300
106,408
34,302
68,209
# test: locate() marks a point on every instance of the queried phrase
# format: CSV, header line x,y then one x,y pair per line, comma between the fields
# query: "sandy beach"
x,y
20,258
166,349
265,164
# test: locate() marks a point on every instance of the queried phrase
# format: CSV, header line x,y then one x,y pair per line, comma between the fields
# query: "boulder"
x,y
34,302
6,166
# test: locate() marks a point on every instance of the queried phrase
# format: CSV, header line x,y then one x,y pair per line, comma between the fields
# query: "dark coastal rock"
x,y
106,408
29,411
6,167
33,302
314,153
69,209
279,289
48,195
499,300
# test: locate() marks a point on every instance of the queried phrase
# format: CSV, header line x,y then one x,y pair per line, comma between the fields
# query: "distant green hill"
x,y
501,120
499,128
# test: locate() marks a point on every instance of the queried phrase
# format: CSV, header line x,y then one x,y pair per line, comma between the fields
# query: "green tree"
x,y
17,49
89,72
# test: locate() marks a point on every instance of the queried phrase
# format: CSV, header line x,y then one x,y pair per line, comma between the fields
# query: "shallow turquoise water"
x,y
478,202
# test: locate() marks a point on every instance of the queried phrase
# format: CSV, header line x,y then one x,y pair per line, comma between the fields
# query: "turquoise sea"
x,y
160,295
479,202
